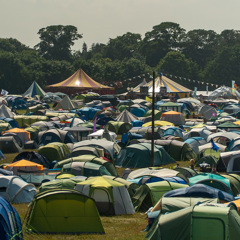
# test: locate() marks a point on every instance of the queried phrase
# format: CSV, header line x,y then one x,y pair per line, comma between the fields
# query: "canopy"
x,y
172,87
80,82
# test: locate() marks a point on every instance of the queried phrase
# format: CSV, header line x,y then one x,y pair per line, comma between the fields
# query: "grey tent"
x,y
8,144
65,104
126,116
5,112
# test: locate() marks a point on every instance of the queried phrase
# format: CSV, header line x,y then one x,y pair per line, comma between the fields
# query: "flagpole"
x,y
153,118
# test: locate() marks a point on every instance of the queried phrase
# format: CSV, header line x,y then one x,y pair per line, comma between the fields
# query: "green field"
x,y
116,227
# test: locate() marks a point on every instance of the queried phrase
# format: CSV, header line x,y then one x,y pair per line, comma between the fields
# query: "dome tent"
x,y
111,197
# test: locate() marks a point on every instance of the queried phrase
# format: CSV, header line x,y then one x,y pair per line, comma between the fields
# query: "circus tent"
x,y
80,82
174,89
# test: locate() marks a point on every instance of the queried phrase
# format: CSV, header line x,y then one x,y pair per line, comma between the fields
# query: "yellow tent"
x,y
158,123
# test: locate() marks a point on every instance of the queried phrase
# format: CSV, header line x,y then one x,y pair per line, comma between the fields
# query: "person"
x,y
192,163
214,170
177,166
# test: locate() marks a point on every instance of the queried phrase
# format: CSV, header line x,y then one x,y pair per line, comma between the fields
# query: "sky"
x,y
100,20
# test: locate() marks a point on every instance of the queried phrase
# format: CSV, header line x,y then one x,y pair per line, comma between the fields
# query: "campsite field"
x,y
116,227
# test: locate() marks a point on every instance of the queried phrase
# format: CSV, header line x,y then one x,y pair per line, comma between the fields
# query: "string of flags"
x,y
171,77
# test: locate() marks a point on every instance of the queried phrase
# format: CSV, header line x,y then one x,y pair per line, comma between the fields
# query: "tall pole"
x,y
153,118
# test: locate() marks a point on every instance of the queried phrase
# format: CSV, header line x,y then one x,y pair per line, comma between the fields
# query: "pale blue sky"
x,y
99,20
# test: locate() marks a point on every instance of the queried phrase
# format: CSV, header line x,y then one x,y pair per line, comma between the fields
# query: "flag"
x,y
235,85
214,146
95,124
4,92
148,99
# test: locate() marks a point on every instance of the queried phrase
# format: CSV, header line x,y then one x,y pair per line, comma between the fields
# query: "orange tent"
x,y
174,117
237,204
80,82
23,165
23,134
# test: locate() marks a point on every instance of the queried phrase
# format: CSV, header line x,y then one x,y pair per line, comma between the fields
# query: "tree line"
x,y
199,54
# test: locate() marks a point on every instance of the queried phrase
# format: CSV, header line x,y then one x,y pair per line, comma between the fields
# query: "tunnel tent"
x,y
111,197
74,213
198,222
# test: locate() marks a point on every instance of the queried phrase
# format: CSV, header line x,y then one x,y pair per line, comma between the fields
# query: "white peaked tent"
x,y
126,116
65,104
5,112
33,90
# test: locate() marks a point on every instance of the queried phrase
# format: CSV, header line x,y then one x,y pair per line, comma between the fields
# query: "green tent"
x,y
119,127
234,183
34,130
26,121
139,156
123,107
55,151
173,204
209,159
228,125
63,211
89,158
59,184
157,114
147,195
170,106
187,172
198,223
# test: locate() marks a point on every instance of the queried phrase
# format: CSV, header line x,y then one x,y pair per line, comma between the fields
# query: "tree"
x,y
224,67
200,45
163,38
176,63
56,41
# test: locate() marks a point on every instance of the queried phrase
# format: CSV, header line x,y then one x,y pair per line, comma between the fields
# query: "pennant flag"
x,y
95,124
148,99
4,92
214,146
235,85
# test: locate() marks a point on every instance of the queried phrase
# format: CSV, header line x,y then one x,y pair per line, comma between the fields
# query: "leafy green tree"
x,y
56,41
200,45
229,38
163,38
224,67
175,63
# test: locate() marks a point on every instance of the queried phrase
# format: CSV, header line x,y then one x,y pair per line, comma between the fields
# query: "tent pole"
x,y
153,118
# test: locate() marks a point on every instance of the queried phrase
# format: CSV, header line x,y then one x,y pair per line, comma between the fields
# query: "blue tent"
x,y
10,222
11,121
201,191
138,112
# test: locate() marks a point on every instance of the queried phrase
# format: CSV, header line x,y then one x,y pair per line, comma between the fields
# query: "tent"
x,y
234,183
170,106
139,156
174,89
5,112
179,151
80,82
21,133
198,222
8,144
147,195
34,90
159,123
229,162
65,104
119,127
55,151
109,147
212,180
26,121
111,197
23,165
195,142
126,116
202,191
63,211
16,190
55,135
174,117
10,222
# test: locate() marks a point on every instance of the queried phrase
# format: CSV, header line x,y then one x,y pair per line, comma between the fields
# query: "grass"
x,y
116,227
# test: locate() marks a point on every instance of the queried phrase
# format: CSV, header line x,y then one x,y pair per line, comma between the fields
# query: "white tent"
x,y
65,104
15,190
99,134
5,112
